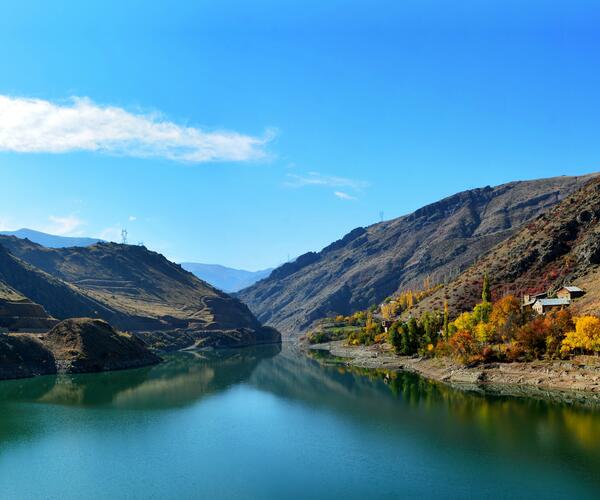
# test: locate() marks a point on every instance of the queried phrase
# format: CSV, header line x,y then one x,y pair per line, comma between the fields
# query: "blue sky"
x,y
258,130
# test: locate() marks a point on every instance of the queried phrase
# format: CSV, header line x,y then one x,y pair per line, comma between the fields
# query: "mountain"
x,y
436,242
51,240
132,288
559,247
225,278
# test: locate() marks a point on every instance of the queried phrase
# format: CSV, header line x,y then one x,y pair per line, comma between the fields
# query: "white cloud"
x,y
344,196
132,218
112,233
68,225
316,179
39,126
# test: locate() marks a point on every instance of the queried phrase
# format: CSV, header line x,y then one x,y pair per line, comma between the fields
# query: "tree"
x,y
410,337
585,338
464,323
395,337
430,325
486,294
506,317
389,310
482,312
464,347
532,337
446,321
559,324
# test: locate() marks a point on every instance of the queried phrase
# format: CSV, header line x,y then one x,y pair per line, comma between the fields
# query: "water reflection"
x,y
402,403
399,405
180,380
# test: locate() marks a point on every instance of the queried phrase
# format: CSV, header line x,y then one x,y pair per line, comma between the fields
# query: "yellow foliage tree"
x,y
505,317
586,336
389,310
370,324
464,323
484,332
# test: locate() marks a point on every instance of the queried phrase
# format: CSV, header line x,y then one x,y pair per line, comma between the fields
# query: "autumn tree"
x,y
506,318
585,338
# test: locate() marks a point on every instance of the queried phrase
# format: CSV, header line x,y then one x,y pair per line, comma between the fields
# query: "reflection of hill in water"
x,y
408,409
181,380
408,405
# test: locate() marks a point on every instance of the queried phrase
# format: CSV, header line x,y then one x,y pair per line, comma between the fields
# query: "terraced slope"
x,y
130,287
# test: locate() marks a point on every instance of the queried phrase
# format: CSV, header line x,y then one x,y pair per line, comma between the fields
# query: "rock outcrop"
x,y
23,356
85,345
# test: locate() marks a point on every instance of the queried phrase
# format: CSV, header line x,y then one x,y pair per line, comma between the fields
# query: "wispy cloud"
x,y
40,126
335,183
132,218
62,226
112,233
317,179
344,196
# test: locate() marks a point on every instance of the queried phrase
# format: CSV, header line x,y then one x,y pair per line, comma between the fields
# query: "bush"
x,y
514,352
532,337
464,348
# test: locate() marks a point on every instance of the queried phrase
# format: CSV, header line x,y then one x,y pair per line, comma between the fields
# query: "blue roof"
x,y
554,302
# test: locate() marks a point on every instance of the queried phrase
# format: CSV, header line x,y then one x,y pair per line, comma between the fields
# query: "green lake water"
x,y
262,423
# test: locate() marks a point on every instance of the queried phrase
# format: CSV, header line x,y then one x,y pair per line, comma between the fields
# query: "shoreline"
x,y
575,381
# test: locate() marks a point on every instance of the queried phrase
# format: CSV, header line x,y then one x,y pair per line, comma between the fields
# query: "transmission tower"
x,y
124,236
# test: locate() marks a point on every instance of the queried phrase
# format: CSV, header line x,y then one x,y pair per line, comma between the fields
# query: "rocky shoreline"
x,y
575,381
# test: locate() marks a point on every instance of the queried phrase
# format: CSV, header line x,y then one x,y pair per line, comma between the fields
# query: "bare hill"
x,y
131,287
438,241
561,246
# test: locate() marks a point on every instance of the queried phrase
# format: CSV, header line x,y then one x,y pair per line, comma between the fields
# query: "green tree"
x,y
395,337
486,294
482,312
446,321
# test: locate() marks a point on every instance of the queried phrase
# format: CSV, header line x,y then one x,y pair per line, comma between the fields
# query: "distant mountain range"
x,y
225,278
436,243
51,240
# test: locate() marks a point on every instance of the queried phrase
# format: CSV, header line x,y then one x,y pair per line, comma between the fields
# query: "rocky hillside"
x,y
73,346
129,286
438,241
85,345
561,246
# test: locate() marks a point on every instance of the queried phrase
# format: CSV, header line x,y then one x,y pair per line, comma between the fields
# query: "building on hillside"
x,y
542,306
529,300
570,292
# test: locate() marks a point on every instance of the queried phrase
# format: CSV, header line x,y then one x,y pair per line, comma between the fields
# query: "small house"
x,y
529,300
569,292
542,306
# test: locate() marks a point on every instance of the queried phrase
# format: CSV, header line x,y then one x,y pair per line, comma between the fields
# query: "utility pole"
x,y
124,236
381,214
